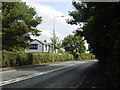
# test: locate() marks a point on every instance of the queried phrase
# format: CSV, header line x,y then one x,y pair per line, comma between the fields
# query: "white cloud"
x,y
48,13
46,35
47,0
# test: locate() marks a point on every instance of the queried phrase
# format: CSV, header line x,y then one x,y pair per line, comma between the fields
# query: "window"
x,y
33,46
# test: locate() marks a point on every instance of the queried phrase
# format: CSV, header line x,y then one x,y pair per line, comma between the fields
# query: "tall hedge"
x,y
47,57
86,56
8,59
11,59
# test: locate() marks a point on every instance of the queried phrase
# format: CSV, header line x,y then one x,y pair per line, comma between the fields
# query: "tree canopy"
x,y
19,21
74,44
101,30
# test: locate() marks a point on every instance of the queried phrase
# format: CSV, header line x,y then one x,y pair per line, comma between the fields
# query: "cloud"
x,y
46,35
48,13
62,29
47,0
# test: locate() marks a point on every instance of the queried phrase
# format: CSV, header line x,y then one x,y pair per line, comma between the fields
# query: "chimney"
x,y
45,41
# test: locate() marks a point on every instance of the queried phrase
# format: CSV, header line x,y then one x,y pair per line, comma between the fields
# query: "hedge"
x,y
11,59
39,58
86,56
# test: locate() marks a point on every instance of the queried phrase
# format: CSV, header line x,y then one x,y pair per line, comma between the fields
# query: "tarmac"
x,y
96,79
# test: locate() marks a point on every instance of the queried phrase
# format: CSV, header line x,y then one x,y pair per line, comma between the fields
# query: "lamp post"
x,y
54,36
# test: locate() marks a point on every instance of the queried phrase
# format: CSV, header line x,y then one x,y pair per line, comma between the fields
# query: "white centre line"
x,y
33,75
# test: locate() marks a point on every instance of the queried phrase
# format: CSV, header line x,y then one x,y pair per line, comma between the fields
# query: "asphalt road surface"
x,y
59,75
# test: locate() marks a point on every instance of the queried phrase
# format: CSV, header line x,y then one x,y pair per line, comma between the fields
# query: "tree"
x,y
102,31
60,51
56,41
73,44
0,26
19,21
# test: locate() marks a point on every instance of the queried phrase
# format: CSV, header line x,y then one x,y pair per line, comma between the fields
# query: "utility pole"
x,y
54,37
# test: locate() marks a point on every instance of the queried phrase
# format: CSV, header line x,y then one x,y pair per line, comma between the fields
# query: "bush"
x,y
39,58
8,59
11,59
86,56
23,58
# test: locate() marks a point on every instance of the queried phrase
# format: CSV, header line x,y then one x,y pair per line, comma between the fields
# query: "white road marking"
x,y
8,71
33,75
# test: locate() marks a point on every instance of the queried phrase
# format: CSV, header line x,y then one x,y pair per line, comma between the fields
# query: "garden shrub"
x,y
86,56
15,59
8,59
11,59
47,57
23,59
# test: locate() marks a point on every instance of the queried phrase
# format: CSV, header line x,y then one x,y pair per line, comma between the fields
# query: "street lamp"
x,y
54,35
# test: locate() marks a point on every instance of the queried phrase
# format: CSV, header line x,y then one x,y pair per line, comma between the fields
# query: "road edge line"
x,y
32,76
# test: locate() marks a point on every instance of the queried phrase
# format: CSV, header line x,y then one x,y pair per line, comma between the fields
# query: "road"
x,y
58,75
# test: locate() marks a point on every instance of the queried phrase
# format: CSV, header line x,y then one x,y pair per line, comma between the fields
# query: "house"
x,y
37,46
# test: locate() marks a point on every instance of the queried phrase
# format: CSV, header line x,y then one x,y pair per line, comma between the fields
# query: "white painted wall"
x,y
46,50
41,48
35,50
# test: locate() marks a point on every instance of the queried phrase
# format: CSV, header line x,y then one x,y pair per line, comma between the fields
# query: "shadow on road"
x,y
95,79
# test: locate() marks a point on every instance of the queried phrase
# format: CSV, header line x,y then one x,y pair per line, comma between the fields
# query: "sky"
x,y
49,9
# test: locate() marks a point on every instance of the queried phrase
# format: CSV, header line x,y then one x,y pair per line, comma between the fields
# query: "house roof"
x,y
42,42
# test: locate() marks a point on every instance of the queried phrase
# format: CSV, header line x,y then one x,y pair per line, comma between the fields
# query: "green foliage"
x,y
19,21
86,56
15,59
11,59
56,41
63,57
8,59
74,44
102,31
23,59
39,58
60,51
